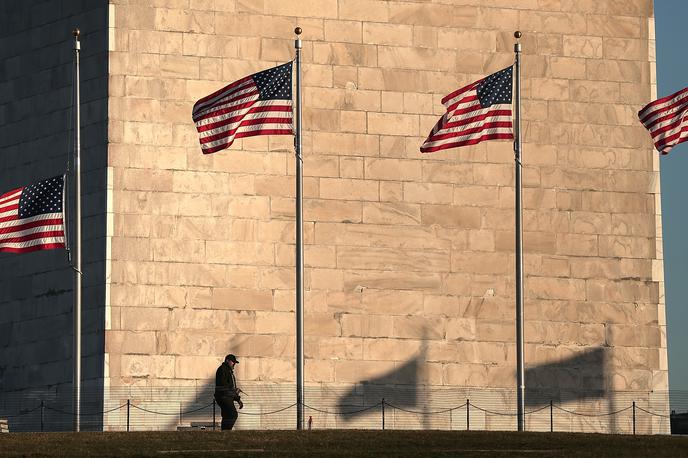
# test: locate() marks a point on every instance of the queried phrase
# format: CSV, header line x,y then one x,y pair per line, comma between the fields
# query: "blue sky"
x,y
672,75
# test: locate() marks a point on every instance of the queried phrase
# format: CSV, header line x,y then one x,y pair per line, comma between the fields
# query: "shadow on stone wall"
x,y
581,376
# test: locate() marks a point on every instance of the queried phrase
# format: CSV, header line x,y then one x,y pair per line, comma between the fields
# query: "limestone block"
x,y
331,210
614,70
356,280
326,279
425,37
364,10
595,91
480,263
352,121
343,31
320,371
451,216
626,247
339,348
345,54
392,124
481,196
379,236
391,191
274,323
237,299
479,40
195,367
359,371
390,349
415,327
196,44
346,144
614,26
554,22
460,329
184,20
351,167
338,188
344,76
556,288
354,325
135,17
239,253
392,169
129,342
144,318
442,305
577,244
416,58
433,15
322,324
392,213
387,34
428,193
309,8
390,302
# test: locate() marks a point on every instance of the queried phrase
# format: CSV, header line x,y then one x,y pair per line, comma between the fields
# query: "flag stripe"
x,y
25,223
259,104
469,119
666,120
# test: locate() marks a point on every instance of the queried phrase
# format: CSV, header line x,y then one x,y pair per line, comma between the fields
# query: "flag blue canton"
x,y
496,88
42,197
274,83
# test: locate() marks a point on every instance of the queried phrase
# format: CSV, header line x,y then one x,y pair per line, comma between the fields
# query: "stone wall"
x,y
409,257
36,139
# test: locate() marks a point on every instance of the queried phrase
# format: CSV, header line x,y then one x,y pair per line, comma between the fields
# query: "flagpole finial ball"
x,y
298,30
76,32
518,34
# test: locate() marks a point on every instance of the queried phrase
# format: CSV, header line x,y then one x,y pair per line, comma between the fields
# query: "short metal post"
x,y
468,414
450,419
128,408
383,413
310,422
551,416
634,418
42,413
180,413
213,414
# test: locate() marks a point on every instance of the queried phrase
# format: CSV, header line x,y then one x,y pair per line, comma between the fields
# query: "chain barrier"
x,y
426,413
352,412
652,413
592,414
174,413
21,414
343,413
268,413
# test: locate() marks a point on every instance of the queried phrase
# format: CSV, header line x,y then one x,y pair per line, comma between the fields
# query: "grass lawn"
x,y
339,443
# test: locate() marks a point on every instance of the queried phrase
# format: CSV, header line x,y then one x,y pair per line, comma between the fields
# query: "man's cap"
x,y
231,358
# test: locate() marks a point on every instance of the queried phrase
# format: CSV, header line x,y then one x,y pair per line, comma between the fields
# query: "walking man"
x,y
227,392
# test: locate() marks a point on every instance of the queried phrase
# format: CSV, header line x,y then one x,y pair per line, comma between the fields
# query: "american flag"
x,y
667,120
258,104
477,112
31,218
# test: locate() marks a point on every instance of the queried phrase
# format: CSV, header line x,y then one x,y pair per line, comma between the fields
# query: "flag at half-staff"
x,y
667,120
477,112
258,104
32,217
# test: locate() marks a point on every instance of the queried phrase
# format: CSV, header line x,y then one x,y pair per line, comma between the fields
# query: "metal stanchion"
x,y
383,413
468,414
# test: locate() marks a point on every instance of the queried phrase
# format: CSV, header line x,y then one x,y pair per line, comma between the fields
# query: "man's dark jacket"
x,y
225,383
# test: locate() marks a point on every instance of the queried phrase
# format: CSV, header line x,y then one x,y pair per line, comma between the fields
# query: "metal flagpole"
x,y
299,240
76,348
520,371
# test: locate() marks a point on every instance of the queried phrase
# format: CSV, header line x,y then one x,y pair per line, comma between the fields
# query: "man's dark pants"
x,y
229,412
